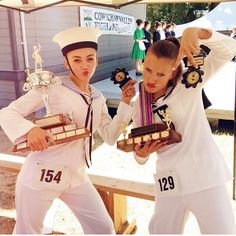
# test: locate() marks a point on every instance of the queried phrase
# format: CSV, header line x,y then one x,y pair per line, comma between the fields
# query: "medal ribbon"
x,y
145,100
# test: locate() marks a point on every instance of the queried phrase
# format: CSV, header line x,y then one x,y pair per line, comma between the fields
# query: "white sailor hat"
x,y
78,37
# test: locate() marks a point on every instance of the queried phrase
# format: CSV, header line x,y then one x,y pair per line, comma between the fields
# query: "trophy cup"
x,y
192,75
63,127
149,129
120,76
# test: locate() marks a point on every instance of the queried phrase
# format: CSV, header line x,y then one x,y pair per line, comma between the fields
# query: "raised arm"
x,y
111,129
223,49
189,44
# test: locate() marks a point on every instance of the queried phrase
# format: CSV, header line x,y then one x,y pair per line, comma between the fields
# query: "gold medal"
x,y
193,75
120,76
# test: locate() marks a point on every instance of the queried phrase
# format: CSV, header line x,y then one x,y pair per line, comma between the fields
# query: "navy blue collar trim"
x,y
168,93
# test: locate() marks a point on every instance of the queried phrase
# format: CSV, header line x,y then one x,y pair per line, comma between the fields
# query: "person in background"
x,y
157,31
191,175
163,23
148,37
168,31
138,51
233,33
173,29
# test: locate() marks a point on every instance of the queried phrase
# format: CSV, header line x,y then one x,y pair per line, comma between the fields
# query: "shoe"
x,y
138,73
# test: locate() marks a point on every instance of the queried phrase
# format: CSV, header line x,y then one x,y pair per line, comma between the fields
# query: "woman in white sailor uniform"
x,y
190,175
34,191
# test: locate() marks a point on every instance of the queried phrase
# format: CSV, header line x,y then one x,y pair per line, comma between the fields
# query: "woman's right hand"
x,y
149,147
39,139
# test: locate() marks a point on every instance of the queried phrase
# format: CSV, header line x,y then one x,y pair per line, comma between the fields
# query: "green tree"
x,y
178,13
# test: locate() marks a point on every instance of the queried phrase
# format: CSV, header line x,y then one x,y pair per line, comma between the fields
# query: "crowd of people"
x,y
143,39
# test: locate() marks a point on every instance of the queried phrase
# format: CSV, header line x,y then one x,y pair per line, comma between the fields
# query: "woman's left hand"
x,y
189,45
128,92
149,147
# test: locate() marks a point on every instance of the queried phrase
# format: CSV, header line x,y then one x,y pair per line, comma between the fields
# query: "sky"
x,y
220,18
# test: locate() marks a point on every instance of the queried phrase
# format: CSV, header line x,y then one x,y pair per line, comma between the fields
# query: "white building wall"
x,y
114,50
5,46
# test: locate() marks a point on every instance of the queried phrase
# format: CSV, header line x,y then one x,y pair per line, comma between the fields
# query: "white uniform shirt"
x,y
196,160
70,155
162,33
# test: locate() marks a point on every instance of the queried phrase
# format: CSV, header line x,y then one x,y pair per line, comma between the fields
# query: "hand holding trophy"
x,y
120,76
192,75
149,130
56,124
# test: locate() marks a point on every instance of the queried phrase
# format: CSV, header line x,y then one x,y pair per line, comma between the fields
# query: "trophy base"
x,y
147,129
67,135
56,125
50,121
153,132
126,84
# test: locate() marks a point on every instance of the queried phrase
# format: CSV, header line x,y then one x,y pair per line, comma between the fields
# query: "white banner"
x,y
109,22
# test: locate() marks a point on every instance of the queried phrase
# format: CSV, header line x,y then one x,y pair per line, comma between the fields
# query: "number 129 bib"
x,y
166,183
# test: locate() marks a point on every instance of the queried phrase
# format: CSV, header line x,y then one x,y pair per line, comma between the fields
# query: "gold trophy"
x,y
63,127
148,130
153,132
121,76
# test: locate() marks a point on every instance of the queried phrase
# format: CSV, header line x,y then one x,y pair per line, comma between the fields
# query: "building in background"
x,y
40,27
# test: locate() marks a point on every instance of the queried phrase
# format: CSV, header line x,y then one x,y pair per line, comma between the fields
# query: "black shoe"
x,y
138,73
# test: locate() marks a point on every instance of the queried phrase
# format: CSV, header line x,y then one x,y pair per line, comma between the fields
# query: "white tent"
x,y
32,5
223,17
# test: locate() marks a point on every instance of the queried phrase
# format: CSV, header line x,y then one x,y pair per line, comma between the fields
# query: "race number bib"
x,y
54,177
166,183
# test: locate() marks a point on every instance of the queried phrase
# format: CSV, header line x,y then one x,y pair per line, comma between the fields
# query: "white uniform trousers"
x,y
212,209
84,201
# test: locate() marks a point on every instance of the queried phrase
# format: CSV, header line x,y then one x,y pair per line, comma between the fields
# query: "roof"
x,y
29,6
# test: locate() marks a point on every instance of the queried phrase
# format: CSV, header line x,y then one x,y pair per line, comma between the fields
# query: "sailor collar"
x,y
95,93
168,92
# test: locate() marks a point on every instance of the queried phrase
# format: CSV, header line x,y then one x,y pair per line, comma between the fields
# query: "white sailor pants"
x,y
84,201
212,209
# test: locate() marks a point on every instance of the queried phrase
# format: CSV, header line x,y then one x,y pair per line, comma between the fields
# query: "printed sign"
x,y
109,22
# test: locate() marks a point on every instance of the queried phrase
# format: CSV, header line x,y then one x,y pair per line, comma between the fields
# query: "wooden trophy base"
x,y
62,132
153,132
50,121
128,82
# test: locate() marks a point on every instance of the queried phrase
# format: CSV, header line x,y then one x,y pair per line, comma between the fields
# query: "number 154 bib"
x,y
54,177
